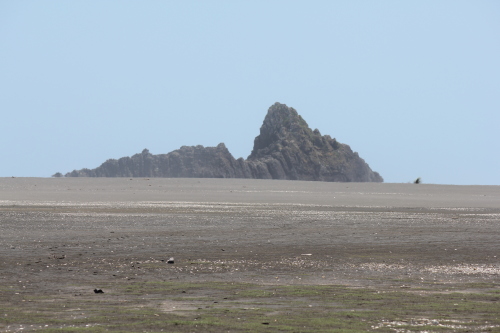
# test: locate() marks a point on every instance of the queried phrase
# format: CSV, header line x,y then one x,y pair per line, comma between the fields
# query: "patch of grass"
x,y
246,307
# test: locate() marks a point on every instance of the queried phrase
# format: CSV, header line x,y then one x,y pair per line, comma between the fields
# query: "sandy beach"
x,y
61,238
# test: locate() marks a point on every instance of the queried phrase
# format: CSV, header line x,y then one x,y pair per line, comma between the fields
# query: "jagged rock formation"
x,y
291,150
286,148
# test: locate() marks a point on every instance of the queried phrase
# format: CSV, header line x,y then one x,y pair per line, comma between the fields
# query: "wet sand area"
x,y
231,255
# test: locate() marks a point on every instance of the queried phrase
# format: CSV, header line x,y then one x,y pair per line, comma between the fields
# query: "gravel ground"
x,y
68,236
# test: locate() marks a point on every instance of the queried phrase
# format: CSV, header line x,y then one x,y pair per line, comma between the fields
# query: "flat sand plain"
x,y
249,255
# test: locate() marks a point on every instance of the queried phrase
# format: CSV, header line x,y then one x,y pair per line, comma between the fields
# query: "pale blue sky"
x,y
412,86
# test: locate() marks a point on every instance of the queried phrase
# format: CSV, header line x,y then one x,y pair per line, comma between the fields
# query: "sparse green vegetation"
x,y
244,307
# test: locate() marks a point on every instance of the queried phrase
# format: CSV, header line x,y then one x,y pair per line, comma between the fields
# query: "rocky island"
x,y
286,148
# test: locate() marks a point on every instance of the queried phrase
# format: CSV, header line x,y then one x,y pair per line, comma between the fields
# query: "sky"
x,y
412,86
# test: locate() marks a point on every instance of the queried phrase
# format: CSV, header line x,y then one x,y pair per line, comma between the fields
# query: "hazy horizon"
x,y
411,86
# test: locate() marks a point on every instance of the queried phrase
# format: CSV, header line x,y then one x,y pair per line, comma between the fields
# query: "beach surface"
x,y
229,239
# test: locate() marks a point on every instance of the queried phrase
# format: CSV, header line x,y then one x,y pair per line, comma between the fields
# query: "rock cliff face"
x,y
286,148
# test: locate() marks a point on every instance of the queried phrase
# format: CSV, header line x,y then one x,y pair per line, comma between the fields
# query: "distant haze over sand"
x,y
247,191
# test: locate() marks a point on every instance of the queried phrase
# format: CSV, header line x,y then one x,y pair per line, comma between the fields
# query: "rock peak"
x,y
281,123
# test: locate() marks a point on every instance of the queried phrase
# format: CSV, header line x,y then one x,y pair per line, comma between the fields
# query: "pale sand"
x,y
249,219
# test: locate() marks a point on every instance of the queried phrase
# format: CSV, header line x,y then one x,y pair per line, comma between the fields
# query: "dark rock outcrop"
x,y
195,162
286,148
